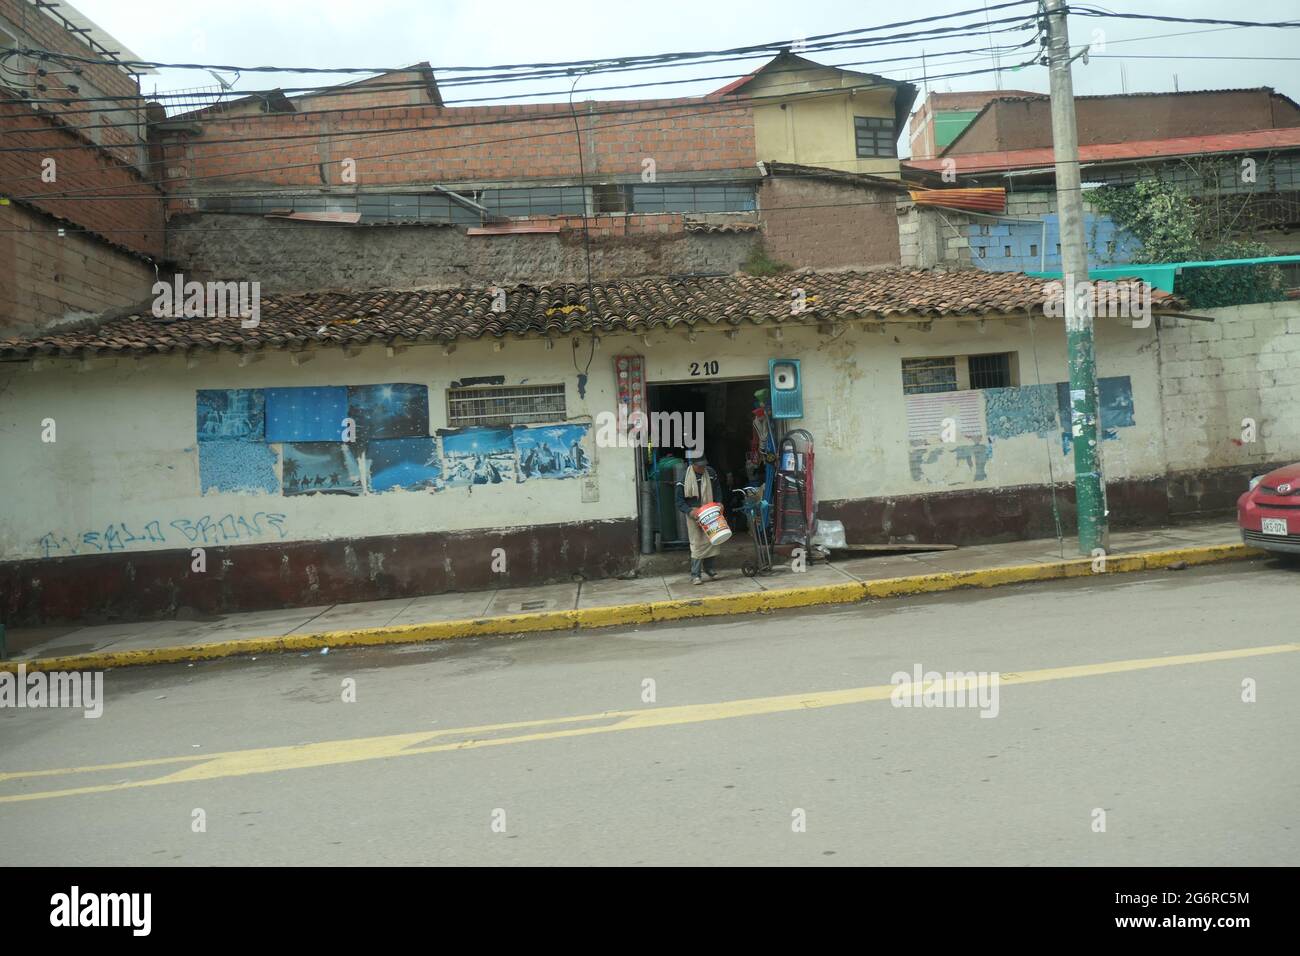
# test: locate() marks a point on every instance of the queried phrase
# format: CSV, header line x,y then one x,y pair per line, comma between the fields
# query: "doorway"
x,y
726,409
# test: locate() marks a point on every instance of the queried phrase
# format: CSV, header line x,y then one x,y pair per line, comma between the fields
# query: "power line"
x,y
720,108
217,116
1096,12
807,43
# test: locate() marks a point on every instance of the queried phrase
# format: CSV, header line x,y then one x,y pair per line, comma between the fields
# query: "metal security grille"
x,y
990,371
511,405
875,136
929,375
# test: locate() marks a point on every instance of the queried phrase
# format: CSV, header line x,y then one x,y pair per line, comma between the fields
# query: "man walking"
x,y
696,489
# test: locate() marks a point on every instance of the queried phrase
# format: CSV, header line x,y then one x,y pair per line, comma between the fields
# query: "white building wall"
x,y
1219,378
126,459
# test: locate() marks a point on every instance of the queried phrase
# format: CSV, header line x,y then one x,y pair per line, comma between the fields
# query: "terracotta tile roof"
x,y
304,320
719,227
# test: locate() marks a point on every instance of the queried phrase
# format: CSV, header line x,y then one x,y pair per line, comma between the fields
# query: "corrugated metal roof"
x,y
1251,141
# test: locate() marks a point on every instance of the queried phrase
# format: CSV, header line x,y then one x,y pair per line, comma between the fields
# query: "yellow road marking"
x,y
238,763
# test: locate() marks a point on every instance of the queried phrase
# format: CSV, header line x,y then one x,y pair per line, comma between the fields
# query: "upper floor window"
x,y
875,136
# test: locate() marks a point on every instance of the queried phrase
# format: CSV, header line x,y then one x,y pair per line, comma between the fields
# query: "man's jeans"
x,y
707,564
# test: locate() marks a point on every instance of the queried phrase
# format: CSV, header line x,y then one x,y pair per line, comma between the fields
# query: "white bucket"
x,y
713,523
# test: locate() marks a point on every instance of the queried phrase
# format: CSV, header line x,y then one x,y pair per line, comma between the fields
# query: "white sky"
x,y
485,32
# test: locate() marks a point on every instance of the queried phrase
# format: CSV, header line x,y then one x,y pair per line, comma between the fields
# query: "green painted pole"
x,y
1089,485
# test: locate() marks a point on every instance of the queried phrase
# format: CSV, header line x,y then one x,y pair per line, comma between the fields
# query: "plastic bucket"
x,y
713,523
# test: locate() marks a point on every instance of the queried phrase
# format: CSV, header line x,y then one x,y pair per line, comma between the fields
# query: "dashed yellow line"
x,y
237,763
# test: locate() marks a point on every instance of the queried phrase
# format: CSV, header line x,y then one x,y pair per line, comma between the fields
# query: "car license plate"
x,y
1273,525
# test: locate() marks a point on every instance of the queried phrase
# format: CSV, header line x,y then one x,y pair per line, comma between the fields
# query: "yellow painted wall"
x,y
816,129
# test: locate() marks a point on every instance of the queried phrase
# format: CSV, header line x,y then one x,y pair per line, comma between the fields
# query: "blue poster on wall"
x,y
1115,408
551,451
306,413
230,414
478,456
315,468
410,464
389,411
237,467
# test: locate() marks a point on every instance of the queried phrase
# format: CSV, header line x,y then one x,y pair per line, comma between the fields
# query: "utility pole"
x,y
1089,486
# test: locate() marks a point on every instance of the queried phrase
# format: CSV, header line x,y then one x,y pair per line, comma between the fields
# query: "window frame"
x,y
484,417
880,132
960,363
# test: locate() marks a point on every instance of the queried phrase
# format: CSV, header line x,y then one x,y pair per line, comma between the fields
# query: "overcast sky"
x,y
394,33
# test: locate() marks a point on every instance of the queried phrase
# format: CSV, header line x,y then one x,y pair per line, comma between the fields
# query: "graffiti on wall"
x,y
178,532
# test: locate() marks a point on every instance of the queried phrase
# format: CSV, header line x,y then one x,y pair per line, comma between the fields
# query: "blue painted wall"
x,y
1107,244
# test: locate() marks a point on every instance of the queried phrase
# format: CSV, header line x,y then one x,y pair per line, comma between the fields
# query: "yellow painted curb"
x,y
847,592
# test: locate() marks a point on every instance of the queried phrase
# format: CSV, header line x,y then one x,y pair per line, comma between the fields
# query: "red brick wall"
x,y
125,209
538,142
38,30
811,223
1026,124
47,279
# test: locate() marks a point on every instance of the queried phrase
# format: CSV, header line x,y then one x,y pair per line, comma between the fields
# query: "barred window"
x,y
929,375
953,373
990,371
509,405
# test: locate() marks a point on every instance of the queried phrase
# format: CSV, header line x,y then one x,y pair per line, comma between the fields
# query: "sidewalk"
x,y
607,602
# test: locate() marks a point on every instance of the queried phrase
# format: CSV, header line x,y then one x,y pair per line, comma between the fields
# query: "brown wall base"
x,y
1009,514
151,584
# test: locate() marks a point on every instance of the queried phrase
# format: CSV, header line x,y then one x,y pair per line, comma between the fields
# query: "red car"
x,y
1269,513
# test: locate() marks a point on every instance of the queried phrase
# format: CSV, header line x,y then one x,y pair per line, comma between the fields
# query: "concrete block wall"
x,y
297,256
49,280
1217,378
813,223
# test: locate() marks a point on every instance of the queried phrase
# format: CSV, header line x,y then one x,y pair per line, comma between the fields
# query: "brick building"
x,y
959,124
408,189
81,218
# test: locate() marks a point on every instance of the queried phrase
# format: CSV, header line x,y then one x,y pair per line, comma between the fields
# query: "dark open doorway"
x,y
726,409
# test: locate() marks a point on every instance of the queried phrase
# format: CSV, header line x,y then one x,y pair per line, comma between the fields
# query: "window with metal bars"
x,y
929,375
990,371
508,405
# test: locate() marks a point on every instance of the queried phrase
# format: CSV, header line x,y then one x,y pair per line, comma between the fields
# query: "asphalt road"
x,y
1121,695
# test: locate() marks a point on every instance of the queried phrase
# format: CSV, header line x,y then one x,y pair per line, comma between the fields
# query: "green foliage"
x,y
760,264
1173,227
1232,285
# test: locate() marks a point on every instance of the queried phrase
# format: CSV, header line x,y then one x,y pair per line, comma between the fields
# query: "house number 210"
x,y
704,368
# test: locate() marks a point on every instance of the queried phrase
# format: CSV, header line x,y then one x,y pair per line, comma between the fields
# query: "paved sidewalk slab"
x,y
581,605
